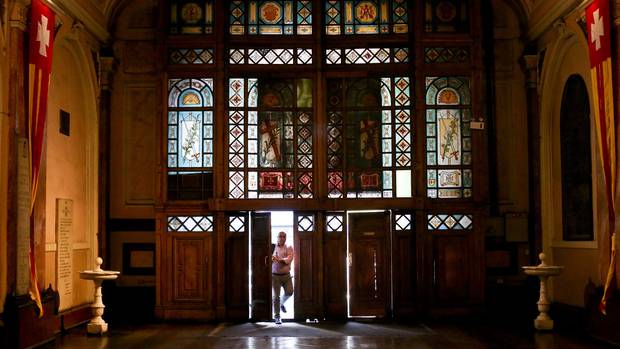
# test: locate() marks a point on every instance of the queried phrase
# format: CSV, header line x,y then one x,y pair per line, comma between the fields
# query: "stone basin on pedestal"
x,y
543,271
98,275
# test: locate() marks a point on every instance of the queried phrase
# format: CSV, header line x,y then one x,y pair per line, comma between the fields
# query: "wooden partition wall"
x,y
377,122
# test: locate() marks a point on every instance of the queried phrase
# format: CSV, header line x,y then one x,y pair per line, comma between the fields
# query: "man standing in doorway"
x,y
281,275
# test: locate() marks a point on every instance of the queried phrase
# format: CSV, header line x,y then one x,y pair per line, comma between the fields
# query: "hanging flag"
x,y
39,69
598,24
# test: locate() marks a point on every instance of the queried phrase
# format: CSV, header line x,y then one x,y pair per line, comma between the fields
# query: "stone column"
x,y
18,226
107,67
530,63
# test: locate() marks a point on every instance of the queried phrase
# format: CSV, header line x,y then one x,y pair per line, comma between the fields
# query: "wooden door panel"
x,y
306,268
404,274
452,274
334,265
261,267
189,273
369,269
237,273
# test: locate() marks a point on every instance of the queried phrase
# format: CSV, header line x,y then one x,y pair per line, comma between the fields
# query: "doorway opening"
x,y
283,221
279,221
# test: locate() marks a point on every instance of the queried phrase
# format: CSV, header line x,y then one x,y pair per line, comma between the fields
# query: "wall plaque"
x,y
64,241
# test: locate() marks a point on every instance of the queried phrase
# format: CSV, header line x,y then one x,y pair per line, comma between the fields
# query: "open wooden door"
x,y
306,266
261,266
369,261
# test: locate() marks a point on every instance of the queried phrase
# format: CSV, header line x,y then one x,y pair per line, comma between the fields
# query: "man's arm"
x,y
289,255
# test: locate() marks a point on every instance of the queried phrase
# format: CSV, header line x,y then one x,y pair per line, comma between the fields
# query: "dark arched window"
x,y
576,161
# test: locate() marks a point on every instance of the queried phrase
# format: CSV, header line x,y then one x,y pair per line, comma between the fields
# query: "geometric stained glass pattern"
x,y
334,223
269,17
369,138
366,55
270,56
403,222
448,138
366,17
237,224
446,55
190,56
191,17
305,223
270,138
190,224
446,16
450,222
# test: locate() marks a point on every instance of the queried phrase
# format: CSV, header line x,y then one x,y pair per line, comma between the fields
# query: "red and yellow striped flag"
x,y
598,24
39,69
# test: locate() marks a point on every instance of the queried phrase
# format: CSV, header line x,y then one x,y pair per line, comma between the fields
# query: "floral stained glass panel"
x,y
448,138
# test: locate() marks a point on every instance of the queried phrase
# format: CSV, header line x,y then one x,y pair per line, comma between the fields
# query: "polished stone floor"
x,y
323,335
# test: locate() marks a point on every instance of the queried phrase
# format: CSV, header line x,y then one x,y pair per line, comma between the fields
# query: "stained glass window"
x,y
190,56
270,56
369,137
190,138
270,138
446,16
366,55
264,17
182,224
191,17
450,221
366,17
448,137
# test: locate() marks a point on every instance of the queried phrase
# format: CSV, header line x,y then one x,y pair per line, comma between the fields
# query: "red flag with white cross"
x,y
599,44
39,69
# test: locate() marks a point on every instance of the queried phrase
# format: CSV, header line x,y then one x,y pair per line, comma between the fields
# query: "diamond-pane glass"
x,y
450,222
190,223
305,223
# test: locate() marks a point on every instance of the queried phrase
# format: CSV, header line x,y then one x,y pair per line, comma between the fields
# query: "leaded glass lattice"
x,y
366,17
269,17
448,138
180,224
191,17
270,146
270,56
369,138
190,138
366,55
450,221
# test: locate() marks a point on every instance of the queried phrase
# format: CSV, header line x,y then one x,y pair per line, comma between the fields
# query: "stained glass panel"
x,y
270,56
190,56
448,138
273,146
271,17
450,221
369,138
190,224
191,17
367,55
446,16
190,139
366,17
